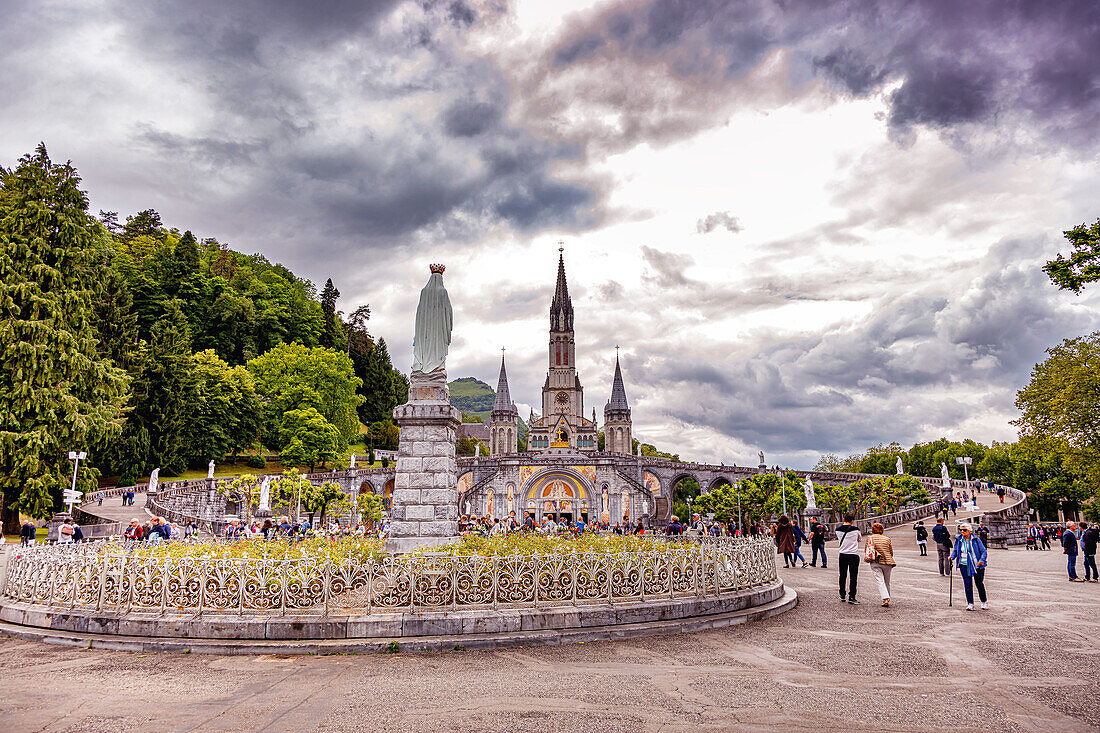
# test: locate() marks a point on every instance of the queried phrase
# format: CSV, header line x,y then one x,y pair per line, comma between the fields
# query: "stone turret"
x,y
616,417
504,419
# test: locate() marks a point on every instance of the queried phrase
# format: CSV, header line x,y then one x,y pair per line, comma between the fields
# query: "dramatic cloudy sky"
x,y
811,227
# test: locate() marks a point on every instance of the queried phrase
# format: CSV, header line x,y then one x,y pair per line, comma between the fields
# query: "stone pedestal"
x,y
424,507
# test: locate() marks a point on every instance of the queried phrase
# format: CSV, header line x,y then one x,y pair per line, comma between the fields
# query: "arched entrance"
x,y
561,495
387,494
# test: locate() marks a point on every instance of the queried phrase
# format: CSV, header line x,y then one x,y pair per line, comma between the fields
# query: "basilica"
x,y
563,473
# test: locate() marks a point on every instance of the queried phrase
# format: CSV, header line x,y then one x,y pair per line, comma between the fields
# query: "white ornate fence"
x,y
110,577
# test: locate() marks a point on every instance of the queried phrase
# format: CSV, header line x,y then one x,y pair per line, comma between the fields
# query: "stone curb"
x,y
388,625
365,645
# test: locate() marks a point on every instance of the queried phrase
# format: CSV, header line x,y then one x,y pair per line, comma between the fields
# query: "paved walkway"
x,y
113,509
1032,662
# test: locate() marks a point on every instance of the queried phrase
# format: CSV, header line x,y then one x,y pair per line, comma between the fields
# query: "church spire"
x,y
503,400
561,307
618,391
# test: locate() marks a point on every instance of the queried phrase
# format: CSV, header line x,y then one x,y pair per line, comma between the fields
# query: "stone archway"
x,y
387,494
559,492
718,482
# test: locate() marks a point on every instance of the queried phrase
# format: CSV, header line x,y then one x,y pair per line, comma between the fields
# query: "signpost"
x,y
965,461
71,495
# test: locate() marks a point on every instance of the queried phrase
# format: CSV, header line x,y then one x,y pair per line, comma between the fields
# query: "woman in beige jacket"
x,y
883,561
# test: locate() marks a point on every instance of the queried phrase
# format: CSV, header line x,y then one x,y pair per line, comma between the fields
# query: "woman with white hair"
x,y
970,558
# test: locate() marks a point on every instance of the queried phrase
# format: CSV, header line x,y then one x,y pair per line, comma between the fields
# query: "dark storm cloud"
x,y
467,118
718,219
922,362
354,125
212,151
984,62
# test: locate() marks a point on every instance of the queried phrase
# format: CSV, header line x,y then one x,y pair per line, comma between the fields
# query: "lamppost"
x,y
740,527
783,482
72,495
965,461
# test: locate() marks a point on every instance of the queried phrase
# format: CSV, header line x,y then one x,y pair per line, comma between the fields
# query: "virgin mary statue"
x,y
433,329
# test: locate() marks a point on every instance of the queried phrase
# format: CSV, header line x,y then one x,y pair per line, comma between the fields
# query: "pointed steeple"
x,y
561,307
618,391
503,400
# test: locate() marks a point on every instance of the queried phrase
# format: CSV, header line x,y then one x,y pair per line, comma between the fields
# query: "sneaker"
x,y
853,601
843,599
985,606
969,606
804,565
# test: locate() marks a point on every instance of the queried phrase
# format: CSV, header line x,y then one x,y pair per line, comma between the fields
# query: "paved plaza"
x,y
1032,662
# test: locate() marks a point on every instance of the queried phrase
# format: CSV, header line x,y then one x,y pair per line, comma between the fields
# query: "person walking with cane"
x,y
970,558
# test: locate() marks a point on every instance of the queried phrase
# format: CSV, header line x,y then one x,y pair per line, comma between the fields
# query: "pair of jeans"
x,y
1090,564
798,556
824,560
969,582
882,577
1071,565
849,565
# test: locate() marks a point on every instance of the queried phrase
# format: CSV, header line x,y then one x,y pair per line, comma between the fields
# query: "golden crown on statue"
x,y
437,268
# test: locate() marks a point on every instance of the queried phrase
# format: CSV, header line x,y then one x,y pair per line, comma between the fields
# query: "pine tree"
x,y
333,336
57,393
164,393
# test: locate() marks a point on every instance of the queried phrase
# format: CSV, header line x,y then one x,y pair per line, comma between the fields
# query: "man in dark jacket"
x,y
26,533
943,546
1089,538
1069,547
922,539
817,542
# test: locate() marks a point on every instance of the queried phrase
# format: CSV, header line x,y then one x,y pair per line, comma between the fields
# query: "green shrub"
x,y
256,462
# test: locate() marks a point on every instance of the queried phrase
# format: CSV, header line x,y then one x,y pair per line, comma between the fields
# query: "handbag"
x,y
869,555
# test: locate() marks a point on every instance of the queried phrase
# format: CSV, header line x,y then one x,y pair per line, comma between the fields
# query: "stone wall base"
x,y
258,626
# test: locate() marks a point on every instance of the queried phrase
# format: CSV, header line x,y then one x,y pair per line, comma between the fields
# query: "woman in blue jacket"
x,y
970,558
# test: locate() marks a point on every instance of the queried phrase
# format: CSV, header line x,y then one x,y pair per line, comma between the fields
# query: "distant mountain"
x,y
474,397
471,395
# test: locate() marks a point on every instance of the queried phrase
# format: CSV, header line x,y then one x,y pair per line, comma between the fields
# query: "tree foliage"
x,y
292,377
126,340
327,498
57,391
1083,264
371,508
306,438
1059,447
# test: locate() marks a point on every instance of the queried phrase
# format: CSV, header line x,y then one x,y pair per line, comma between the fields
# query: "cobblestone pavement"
x,y
1031,662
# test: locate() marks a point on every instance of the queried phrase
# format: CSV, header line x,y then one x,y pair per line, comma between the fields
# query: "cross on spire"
x,y
561,246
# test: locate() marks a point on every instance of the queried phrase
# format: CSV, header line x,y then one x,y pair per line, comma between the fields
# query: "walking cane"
x,y
950,584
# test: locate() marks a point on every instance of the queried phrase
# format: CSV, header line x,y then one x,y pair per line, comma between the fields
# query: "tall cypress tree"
x,y
57,393
332,337
164,391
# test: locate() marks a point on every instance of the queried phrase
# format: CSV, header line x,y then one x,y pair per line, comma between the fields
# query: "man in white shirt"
x,y
849,537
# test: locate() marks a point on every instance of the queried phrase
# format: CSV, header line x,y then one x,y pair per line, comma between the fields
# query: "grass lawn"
x,y
39,535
